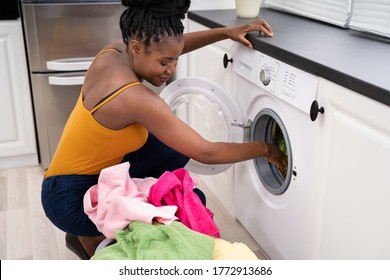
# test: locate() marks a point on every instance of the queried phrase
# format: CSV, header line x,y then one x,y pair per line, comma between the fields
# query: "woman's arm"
x,y
196,40
151,111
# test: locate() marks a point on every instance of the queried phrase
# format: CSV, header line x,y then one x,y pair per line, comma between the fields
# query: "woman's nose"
x,y
171,69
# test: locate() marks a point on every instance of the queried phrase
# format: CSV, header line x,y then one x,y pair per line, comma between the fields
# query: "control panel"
x,y
279,79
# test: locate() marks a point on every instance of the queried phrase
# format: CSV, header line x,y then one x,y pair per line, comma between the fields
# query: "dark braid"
x,y
138,22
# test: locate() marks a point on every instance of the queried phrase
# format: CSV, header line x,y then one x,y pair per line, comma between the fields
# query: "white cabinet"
x,y
208,62
354,185
17,137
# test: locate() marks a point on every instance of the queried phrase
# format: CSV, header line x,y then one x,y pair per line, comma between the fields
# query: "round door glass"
x,y
202,114
268,127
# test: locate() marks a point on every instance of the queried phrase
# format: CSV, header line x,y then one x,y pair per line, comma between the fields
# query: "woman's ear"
x,y
135,47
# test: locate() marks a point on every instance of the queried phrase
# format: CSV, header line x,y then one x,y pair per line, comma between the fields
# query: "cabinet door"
x,y
17,137
208,62
355,182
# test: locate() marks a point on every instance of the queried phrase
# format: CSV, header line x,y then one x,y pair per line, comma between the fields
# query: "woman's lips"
x,y
165,79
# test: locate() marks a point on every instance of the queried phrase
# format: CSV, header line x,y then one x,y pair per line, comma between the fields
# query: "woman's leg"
x,y
153,159
62,200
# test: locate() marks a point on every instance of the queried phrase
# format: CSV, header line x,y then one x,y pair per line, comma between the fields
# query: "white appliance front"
x,y
275,207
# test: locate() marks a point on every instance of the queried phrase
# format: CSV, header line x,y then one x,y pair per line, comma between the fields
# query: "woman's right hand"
x,y
277,157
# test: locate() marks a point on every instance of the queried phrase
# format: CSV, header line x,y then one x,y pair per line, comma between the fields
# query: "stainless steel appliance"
x,y
62,38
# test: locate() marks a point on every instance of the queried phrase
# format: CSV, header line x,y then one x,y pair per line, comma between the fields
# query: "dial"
x,y
265,76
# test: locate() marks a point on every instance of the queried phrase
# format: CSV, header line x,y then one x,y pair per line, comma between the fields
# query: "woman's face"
x,y
157,62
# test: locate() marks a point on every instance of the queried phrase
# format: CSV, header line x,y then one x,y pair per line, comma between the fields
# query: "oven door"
x,y
58,30
208,109
54,98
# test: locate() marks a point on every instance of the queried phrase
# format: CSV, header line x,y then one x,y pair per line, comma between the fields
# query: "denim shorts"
x,y
62,200
62,196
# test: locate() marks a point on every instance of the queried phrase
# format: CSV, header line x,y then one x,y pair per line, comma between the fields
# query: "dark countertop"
x,y
355,60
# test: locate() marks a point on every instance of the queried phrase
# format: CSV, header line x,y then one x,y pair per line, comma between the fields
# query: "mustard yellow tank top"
x,y
86,147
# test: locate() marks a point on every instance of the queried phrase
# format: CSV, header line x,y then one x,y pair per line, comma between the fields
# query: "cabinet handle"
x,y
70,64
66,81
314,110
226,61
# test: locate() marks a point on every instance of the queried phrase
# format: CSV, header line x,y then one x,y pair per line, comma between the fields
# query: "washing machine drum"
x,y
268,127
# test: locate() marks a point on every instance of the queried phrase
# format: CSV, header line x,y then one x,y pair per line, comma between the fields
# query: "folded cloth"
x,y
143,241
176,188
117,200
225,250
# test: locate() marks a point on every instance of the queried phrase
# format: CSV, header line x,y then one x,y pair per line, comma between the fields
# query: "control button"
x,y
265,76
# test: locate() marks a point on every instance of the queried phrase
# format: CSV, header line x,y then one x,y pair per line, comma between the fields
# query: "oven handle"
x,y
66,81
70,64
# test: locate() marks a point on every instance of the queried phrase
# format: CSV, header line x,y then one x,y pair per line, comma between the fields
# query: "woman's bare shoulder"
x,y
117,45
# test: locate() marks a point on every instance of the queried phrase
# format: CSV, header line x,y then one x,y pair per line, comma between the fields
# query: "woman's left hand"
x,y
238,33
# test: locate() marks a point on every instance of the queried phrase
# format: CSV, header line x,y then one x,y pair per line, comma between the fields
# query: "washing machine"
x,y
280,105
272,102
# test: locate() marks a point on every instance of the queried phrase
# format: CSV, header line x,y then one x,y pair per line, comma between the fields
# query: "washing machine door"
x,y
268,127
209,110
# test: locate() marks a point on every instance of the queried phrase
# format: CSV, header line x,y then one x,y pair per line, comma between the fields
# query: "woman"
x,y
118,119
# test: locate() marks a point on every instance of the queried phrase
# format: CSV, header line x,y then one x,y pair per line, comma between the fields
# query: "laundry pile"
x,y
155,218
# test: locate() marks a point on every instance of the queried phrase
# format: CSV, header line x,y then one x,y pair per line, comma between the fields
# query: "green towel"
x,y
143,241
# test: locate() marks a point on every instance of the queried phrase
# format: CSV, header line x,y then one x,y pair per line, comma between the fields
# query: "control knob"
x,y
265,76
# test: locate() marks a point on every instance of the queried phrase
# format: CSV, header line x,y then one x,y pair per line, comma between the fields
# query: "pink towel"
x,y
117,200
176,188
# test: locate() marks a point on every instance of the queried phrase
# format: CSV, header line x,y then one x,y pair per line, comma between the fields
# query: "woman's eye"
x,y
167,63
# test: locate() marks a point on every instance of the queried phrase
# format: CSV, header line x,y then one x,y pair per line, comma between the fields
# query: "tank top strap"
x,y
104,51
107,50
112,95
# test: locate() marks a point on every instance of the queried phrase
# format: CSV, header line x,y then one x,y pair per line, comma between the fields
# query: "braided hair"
x,y
152,19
